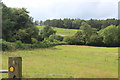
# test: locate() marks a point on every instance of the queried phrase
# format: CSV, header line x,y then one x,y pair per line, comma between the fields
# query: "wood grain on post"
x,y
118,66
15,67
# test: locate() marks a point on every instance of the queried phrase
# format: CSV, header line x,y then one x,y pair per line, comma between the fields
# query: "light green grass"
x,y
62,30
67,61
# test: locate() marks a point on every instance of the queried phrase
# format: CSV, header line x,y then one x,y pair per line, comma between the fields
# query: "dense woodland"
x,y
91,32
19,31
76,23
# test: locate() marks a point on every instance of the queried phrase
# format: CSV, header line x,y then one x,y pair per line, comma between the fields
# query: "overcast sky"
x,y
55,9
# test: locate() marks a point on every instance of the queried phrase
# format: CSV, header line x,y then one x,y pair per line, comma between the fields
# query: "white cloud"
x,y
86,9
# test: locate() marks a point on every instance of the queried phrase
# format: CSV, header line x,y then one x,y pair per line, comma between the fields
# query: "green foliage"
x,y
55,23
118,28
19,31
76,39
67,23
34,40
90,36
76,23
22,35
95,23
46,32
54,37
95,40
19,44
12,46
110,35
17,22
69,39
26,35
109,22
7,46
79,39
19,26
93,36
86,31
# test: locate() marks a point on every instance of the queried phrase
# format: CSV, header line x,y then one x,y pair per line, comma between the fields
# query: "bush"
x,y
34,40
18,44
76,39
46,32
27,35
72,40
7,46
69,40
54,37
11,46
110,35
95,40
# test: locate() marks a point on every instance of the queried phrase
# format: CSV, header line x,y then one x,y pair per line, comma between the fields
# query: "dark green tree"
x,y
67,23
27,35
16,21
76,23
86,31
110,35
46,32
55,37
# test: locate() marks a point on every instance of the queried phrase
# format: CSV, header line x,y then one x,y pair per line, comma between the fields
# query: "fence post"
x,y
118,65
15,67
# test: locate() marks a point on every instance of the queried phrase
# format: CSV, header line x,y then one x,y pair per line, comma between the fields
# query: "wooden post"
x,y
118,65
15,67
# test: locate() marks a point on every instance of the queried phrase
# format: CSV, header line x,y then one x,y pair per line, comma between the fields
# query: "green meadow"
x,y
67,61
62,31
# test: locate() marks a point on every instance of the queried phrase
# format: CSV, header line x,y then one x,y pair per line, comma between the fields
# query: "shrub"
x,y
69,39
11,46
76,39
95,40
110,35
7,46
54,37
46,32
34,40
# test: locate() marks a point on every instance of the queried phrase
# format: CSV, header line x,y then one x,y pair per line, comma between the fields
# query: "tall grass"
x,y
67,61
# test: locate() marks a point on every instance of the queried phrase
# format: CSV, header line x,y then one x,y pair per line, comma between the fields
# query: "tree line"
x,y
19,31
17,25
87,35
76,23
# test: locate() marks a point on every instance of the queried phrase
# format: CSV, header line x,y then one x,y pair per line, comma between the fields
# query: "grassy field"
x,y
67,61
62,31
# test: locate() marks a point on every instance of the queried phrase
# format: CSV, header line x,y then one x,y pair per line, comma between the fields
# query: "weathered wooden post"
x,y
15,67
118,63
